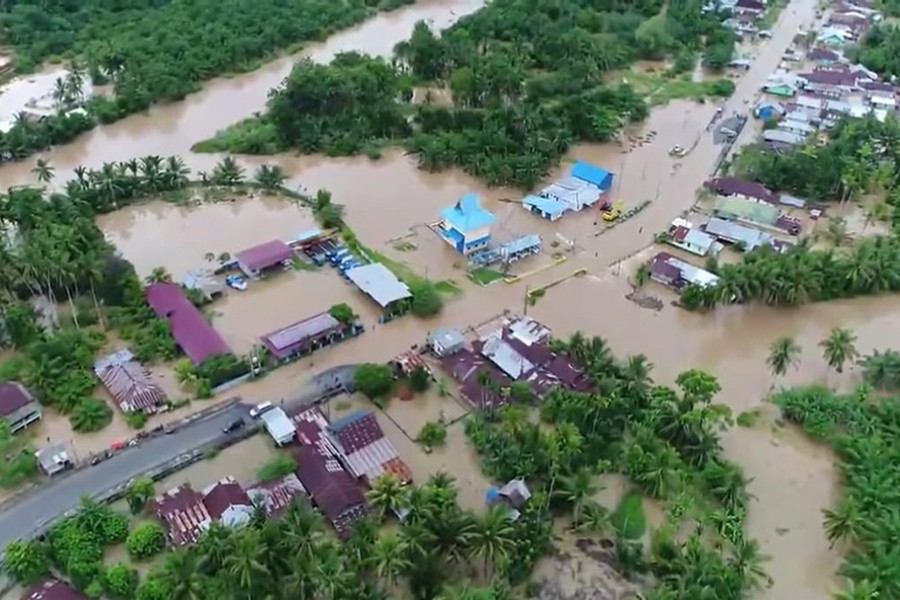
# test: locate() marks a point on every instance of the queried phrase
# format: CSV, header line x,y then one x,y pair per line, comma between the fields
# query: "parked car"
x,y
238,282
233,426
260,409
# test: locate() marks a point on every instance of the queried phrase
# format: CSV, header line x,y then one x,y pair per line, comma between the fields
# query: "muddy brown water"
x,y
389,199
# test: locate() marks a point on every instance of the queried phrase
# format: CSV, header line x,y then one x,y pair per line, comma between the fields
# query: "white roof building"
x,y
278,425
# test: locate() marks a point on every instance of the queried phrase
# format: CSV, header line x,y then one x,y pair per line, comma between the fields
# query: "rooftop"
x,y
184,514
467,215
597,176
332,488
222,495
264,255
737,233
734,186
277,495
13,396
379,283
279,426
128,382
738,208
53,589
546,205
282,342
368,452
193,333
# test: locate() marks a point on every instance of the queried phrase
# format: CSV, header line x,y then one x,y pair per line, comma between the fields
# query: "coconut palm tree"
x,y
882,369
216,545
858,590
783,353
181,577
578,489
303,529
159,275
839,348
492,537
244,564
391,557
388,494
228,172
60,93
747,560
270,177
43,170
844,523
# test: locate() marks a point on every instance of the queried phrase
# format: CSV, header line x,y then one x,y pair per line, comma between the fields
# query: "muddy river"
x,y
390,200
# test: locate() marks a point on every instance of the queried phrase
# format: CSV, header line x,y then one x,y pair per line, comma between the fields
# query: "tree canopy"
x,y
525,77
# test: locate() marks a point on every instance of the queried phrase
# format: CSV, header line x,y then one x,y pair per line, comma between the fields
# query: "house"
x,y
253,261
227,503
405,363
509,252
465,225
367,453
53,589
741,188
54,458
747,238
17,406
205,284
304,336
885,88
129,383
192,332
742,209
547,208
183,513
331,488
683,235
882,101
777,136
823,56
827,80
277,495
278,425
376,281
445,342
514,495
678,274
754,7
782,90
796,126
574,193
835,36
596,176
768,110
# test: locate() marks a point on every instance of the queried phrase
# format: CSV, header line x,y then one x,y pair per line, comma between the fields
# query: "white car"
x,y
260,409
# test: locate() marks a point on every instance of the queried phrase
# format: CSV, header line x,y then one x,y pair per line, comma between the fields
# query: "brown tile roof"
x,y
53,589
128,382
277,495
730,186
368,453
183,513
333,489
223,495
13,396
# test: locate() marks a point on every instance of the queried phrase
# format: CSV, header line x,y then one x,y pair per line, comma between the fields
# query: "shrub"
x,y
629,518
374,380
426,301
276,468
121,581
115,528
136,420
432,434
146,541
419,379
748,418
91,414
342,312
221,369
26,562
153,589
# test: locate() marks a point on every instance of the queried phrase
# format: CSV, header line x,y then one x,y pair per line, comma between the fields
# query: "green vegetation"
x,y
121,581
139,493
629,519
662,87
432,434
863,433
880,50
426,300
748,418
374,381
526,78
154,51
485,276
881,370
278,467
665,441
146,541
343,313
17,460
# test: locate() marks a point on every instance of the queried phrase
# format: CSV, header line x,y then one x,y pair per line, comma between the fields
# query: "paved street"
x,y
46,503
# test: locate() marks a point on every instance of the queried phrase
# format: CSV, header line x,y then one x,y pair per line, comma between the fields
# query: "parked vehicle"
x,y
260,409
613,213
238,282
677,151
233,426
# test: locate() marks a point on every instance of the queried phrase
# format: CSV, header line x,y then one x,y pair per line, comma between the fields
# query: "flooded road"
x,y
390,199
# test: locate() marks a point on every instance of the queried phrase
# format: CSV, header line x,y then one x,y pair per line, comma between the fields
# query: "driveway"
x,y
35,509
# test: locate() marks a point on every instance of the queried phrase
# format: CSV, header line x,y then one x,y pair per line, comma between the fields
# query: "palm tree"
x,y
747,560
244,564
303,529
43,170
388,494
492,537
882,369
270,177
783,353
60,93
181,577
228,172
642,275
390,557
858,590
216,545
159,275
839,348
578,489
844,523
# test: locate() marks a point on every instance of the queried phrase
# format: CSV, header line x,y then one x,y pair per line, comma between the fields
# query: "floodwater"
x,y
792,480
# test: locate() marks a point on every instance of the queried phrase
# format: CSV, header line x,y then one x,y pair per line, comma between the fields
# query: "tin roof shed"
x,y
597,176
379,283
255,259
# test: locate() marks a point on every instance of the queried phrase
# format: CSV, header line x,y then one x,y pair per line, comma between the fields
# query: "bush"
x,y
139,493
419,379
115,528
277,468
18,462
342,312
26,562
629,518
121,581
432,434
146,541
90,415
374,381
221,369
426,301
153,589
136,420
748,418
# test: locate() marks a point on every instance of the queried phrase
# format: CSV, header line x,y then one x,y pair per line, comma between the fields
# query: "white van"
x,y
260,409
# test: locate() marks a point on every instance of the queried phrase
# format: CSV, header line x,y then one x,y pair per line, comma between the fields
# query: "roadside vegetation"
x,y
527,81
19,463
152,52
665,441
862,431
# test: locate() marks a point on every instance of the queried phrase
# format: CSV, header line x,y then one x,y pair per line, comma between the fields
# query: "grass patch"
x,y
485,276
661,87
255,133
773,11
629,518
447,287
749,418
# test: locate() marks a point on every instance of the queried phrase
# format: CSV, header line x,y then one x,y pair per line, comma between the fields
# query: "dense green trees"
x,y
526,80
864,522
664,440
18,462
880,50
155,51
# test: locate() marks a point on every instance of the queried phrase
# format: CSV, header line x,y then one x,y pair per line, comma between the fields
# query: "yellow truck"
x,y
613,213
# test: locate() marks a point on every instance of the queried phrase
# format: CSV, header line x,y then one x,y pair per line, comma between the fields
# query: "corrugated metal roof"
x,y
281,342
592,174
128,382
183,513
546,205
194,334
265,255
505,357
278,494
734,232
379,283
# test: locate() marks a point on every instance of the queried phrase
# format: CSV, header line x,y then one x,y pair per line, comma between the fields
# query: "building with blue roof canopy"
x,y
466,225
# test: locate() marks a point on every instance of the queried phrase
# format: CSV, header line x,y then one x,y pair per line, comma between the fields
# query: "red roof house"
x,y
277,495
193,333
183,513
253,261
734,186
301,336
53,589
332,489
17,406
228,503
366,451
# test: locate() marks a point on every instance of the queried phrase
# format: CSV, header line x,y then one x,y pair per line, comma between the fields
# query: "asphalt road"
x,y
44,504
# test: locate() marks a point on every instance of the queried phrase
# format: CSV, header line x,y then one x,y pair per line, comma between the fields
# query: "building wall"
x,y
477,235
23,417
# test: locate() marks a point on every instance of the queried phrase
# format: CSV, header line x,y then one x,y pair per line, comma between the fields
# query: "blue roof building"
x,y
597,176
768,110
548,208
466,226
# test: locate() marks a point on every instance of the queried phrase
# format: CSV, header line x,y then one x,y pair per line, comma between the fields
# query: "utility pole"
x,y
525,311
